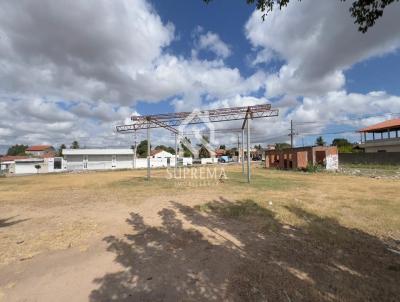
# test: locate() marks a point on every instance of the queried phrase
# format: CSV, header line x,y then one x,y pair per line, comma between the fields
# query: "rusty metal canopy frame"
x,y
171,120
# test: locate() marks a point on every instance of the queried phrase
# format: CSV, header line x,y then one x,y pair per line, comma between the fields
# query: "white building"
x,y
29,165
108,159
161,154
98,159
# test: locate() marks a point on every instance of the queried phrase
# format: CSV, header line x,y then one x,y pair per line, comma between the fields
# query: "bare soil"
x,y
113,236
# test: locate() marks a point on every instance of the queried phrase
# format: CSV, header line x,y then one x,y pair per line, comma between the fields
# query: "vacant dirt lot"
x,y
112,236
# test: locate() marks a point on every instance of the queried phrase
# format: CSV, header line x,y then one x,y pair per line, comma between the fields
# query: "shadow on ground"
x,y
239,251
10,221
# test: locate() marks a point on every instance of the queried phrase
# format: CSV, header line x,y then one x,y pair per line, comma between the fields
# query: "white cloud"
x,y
342,107
318,41
211,41
69,71
98,58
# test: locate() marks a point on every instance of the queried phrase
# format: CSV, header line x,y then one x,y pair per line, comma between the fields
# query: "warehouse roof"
x,y
97,151
383,126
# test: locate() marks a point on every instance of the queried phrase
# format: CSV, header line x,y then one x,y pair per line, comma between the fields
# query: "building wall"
x,y
300,158
390,158
99,162
74,162
387,145
104,162
374,149
29,168
124,161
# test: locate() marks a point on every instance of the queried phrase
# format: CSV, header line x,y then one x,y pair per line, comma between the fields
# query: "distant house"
x,y
161,154
7,161
41,150
220,152
26,164
381,137
98,159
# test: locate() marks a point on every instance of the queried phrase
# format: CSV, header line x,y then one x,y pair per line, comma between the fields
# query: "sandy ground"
x,y
111,236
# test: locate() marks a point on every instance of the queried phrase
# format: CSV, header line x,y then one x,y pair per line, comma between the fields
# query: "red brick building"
x,y
300,158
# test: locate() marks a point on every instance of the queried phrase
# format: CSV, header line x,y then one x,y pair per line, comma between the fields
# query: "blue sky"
x,y
73,72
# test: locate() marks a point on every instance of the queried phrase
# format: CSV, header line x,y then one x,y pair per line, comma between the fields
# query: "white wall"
x,y
209,160
104,162
187,161
124,162
29,168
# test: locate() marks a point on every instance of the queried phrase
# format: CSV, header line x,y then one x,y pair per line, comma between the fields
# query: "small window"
x,y
381,151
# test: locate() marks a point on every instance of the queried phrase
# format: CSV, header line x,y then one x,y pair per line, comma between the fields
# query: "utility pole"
x,y
176,153
291,134
238,148
135,152
248,150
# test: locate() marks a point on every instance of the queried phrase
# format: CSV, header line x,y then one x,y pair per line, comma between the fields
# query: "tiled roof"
x,y
12,157
38,148
390,124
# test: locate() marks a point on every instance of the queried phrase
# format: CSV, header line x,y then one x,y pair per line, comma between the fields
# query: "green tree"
x,y
186,151
17,150
142,149
75,145
62,147
38,167
282,146
365,12
320,141
223,147
165,148
343,145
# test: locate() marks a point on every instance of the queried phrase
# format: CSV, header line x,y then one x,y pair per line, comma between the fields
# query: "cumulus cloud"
x,y
341,106
97,59
211,41
318,41
73,70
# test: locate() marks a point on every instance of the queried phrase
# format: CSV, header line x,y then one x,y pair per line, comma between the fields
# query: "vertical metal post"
x,y
148,151
238,148
134,153
176,153
242,151
248,150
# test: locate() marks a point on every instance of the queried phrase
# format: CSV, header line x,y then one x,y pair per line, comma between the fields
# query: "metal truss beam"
x,y
172,120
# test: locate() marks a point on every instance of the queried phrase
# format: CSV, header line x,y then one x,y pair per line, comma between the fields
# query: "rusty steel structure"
x,y
215,115
171,121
